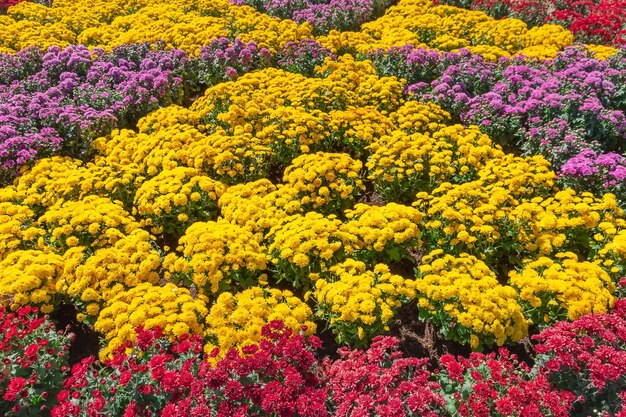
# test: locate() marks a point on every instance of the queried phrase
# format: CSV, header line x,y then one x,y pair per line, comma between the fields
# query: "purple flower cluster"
x,y
223,60
323,15
302,57
597,172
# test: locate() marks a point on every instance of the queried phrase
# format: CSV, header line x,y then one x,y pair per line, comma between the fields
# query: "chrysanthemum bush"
x,y
91,281
33,360
498,385
463,297
402,165
553,290
301,245
175,199
29,278
236,320
324,182
322,15
587,357
385,234
359,303
216,256
169,307
596,172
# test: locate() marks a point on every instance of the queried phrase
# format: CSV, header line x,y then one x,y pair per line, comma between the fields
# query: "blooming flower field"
x,y
311,208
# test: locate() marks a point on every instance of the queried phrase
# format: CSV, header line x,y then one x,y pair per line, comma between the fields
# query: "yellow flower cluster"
x,y
231,158
50,179
358,303
357,127
525,177
235,320
165,148
567,222
182,24
216,256
93,222
109,271
401,165
497,217
468,218
309,243
324,182
287,130
562,288
386,233
258,205
342,84
169,307
164,117
363,87
16,228
28,277
416,117
613,256
176,198
602,52
464,298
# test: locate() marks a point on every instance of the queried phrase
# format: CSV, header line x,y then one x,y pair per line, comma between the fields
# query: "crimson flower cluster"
x,y
587,357
277,377
482,385
380,382
33,360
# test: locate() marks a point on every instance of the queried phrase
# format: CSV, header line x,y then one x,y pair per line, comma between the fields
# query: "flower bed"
x,y
244,187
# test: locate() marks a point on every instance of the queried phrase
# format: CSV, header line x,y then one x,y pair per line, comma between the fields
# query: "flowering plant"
x,y
133,382
325,182
386,234
171,308
302,57
29,277
498,385
587,357
402,165
303,244
463,297
175,199
236,320
216,256
222,60
380,382
33,361
562,288
359,303
596,172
